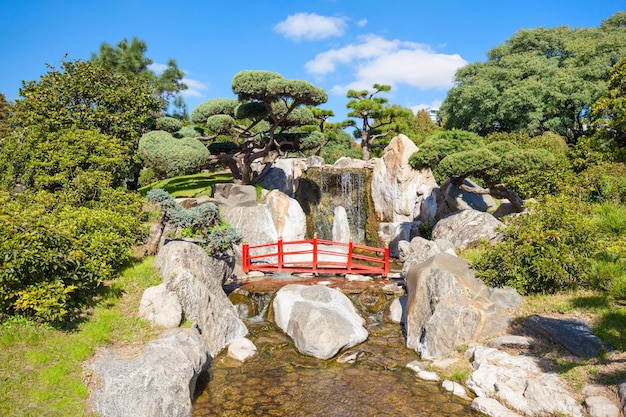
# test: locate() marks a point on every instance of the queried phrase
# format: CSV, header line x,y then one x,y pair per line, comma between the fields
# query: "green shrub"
x,y
55,255
169,124
547,250
189,132
169,157
201,221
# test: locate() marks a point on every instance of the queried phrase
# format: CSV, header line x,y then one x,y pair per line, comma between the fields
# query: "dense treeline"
x,y
542,120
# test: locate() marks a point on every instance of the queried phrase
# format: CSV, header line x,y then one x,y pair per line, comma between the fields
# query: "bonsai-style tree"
x,y
458,154
377,119
265,120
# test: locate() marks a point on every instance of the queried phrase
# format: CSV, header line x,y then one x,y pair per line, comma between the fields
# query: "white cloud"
x,y
361,23
157,68
435,104
393,62
195,88
311,26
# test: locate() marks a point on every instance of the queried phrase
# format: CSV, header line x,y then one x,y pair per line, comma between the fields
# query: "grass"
x,y
42,367
196,185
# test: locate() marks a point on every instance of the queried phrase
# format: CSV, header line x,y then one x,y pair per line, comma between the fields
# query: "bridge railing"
x,y
315,256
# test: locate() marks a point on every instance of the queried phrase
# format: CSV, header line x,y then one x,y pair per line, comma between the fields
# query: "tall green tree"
x,y
266,118
130,58
610,111
88,95
542,79
5,112
375,118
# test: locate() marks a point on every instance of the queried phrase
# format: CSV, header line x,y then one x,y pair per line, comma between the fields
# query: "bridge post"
x,y
315,252
349,260
281,255
386,266
245,257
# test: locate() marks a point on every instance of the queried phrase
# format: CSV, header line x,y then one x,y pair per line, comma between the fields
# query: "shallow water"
x,y
279,381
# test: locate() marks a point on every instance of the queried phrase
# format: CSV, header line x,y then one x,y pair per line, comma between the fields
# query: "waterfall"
x,y
321,190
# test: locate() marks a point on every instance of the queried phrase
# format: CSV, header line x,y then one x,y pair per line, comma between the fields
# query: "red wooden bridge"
x,y
315,256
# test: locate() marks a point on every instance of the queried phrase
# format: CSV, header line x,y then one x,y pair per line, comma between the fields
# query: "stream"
x,y
279,381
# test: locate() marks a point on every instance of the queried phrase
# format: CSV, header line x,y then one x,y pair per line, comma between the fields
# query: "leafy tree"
x,y
88,95
423,126
610,111
538,80
457,155
130,59
5,112
264,121
375,118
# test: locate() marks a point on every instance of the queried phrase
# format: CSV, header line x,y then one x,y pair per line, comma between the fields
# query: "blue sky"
x,y
413,45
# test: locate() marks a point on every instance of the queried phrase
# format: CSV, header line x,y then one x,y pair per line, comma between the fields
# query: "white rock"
x,y
428,376
241,349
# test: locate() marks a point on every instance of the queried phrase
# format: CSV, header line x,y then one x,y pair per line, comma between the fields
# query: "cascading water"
x,y
321,190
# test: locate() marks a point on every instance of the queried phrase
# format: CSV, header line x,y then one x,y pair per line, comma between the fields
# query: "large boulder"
x,y
254,223
395,233
466,228
519,383
395,183
159,383
160,306
197,279
284,175
458,199
288,217
341,225
234,195
322,321
448,306
575,335
420,250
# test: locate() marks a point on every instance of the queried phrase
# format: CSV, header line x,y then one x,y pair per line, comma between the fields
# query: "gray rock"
x,y
447,307
506,297
510,342
420,250
574,335
621,393
159,383
492,408
234,195
322,321
458,199
397,235
288,217
395,184
197,279
466,228
284,175
160,307
349,163
601,406
315,161
518,382
254,223
456,389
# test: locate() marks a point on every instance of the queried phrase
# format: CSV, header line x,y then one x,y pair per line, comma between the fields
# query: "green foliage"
x,y
547,250
201,221
338,144
5,113
212,107
189,132
442,144
542,79
89,95
169,157
169,124
56,255
609,112
79,162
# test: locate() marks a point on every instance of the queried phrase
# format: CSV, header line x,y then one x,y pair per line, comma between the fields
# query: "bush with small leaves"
x,y
170,157
189,132
547,250
169,124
